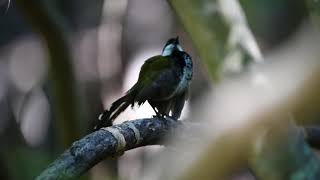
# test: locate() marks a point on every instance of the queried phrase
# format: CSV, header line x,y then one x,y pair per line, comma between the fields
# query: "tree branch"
x,y
107,142
219,31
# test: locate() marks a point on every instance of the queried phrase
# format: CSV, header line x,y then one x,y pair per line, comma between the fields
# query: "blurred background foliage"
x,y
107,41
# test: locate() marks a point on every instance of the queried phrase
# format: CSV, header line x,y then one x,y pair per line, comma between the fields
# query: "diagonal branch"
x,y
107,142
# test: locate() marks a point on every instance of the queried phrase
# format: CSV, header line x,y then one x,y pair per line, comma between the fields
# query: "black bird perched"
x,y
163,82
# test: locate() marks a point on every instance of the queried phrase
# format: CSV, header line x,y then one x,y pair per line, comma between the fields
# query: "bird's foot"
x,y
158,116
103,120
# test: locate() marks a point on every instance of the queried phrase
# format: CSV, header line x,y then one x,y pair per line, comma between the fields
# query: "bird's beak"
x,y
177,44
177,40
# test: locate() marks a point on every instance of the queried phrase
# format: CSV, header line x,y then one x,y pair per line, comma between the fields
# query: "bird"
x,y
163,82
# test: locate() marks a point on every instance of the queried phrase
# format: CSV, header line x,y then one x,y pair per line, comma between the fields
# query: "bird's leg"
x,y
171,116
157,112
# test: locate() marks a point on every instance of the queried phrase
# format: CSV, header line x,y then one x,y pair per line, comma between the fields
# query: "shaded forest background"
x,y
103,45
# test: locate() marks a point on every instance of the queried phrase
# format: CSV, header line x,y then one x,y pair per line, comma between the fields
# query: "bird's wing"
x,y
152,67
155,70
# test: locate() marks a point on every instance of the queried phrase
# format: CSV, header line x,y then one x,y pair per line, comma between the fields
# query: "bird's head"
x,y
171,46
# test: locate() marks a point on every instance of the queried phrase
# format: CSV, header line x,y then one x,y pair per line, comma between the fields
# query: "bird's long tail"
x,y
107,117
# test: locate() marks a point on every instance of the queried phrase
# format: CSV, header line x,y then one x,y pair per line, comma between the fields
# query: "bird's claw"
x,y
157,116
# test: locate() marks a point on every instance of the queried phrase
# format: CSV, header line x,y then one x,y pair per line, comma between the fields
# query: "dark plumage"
x,y
163,82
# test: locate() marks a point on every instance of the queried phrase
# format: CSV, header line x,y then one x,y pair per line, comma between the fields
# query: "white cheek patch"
x,y
168,50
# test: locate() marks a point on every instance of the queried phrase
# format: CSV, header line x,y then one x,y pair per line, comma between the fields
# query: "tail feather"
x,y
107,117
119,110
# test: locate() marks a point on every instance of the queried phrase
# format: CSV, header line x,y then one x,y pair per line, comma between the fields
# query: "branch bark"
x,y
112,141
107,142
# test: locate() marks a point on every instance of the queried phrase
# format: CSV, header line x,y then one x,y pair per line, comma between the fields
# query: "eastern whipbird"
x,y
163,82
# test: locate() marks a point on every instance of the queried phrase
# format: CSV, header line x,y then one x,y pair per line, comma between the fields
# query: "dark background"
x,y
108,40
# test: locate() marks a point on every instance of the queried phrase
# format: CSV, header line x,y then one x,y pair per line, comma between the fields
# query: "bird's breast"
x,y
184,76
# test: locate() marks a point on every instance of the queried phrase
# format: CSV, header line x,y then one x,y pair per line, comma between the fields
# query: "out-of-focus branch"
x,y
107,142
209,35
280,151
47,21
314,9
220,35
